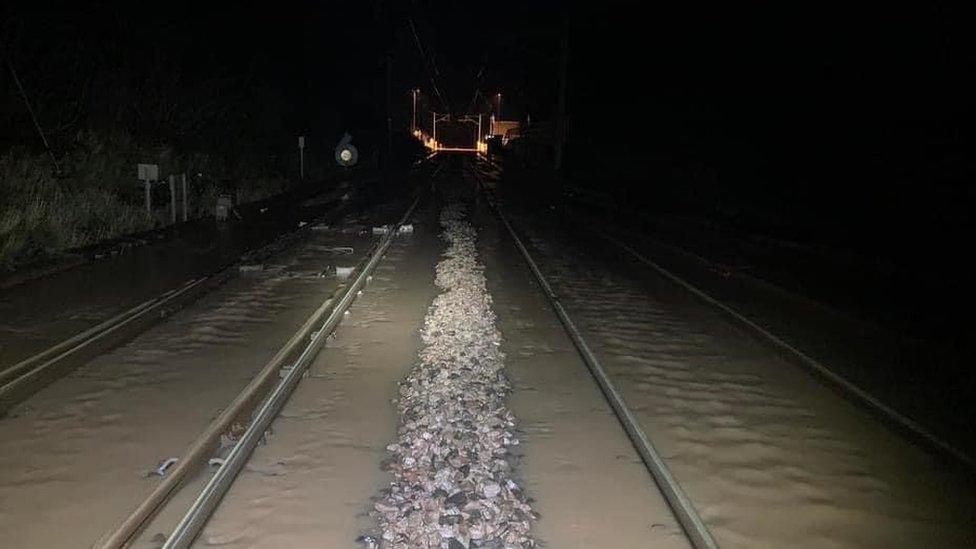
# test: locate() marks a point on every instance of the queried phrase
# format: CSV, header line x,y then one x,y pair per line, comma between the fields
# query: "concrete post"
x,y
185,210
172,199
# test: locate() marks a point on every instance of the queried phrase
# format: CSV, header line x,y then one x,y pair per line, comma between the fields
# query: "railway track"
x,y
265,395
685,513
643,429
24,378
256,405
818,368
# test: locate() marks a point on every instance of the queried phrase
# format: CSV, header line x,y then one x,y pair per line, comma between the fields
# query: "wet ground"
x,y
79,453
769,456
39,313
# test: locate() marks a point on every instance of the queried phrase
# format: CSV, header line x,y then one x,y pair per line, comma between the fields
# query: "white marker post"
x,y
148,173
185,212
172,199
301,156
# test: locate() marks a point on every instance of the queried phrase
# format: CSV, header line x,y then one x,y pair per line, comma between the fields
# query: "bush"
x,y
42,216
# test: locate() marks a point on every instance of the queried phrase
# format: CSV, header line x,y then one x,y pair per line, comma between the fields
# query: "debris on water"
x,y
453,481
343,273
163,466
369,542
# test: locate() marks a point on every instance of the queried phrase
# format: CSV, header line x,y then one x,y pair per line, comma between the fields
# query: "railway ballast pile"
x,y
453,483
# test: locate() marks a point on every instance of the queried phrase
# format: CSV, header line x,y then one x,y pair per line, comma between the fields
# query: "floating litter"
x,y
164,466
406,229
343,273
338,250
381,230
250,268
321,227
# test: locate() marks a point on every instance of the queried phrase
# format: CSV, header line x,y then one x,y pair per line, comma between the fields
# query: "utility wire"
x,y
430,66
30,109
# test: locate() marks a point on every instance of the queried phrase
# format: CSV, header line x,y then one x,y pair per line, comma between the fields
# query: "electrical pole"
x,y
413,124
561,104
389,107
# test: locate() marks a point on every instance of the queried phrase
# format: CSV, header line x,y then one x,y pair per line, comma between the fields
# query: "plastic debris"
x,y
164,466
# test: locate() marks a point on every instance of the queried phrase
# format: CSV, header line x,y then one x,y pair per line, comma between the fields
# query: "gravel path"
x,y
453,481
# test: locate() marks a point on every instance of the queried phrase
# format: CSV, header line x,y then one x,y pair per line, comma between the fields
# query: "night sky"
x,y
825,111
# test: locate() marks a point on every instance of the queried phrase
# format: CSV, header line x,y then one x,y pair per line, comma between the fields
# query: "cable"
x,y
429,65
30,109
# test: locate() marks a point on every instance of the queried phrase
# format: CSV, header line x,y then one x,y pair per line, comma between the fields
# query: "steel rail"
x,y
818,368
15,379
684,511
208,499
202,448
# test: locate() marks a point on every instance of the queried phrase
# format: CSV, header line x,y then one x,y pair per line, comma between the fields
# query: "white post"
x,y
185,213
414,118
148,199
172,199
301,156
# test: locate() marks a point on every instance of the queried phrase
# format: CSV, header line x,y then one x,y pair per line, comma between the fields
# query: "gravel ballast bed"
x,y
453,480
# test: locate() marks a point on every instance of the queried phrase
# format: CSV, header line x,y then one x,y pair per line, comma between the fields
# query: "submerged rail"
x,y
846,386
198,514
23,378
262,396
684,511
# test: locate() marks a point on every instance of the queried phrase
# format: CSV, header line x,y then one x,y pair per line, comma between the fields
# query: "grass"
x,y
42,216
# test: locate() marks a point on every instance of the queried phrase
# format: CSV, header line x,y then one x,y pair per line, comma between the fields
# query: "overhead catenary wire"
x,y
30,108
429,65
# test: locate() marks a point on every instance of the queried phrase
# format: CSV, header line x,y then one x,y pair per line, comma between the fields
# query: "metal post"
x,y
389,108
561,105
435,130
301,157
413,126
185,213
148,199
477,142
172,199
